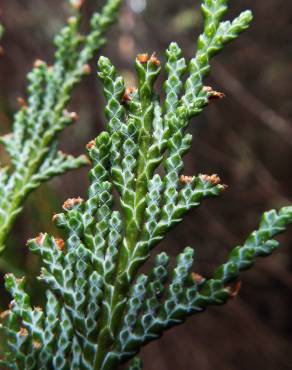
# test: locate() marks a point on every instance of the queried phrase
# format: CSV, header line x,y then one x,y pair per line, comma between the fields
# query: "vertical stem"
x,y
116,298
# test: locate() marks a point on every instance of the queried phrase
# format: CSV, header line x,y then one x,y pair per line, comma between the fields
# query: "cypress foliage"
x,y
100,310
33,143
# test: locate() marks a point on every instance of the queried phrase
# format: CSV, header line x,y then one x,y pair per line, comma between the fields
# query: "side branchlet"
x,y
32,144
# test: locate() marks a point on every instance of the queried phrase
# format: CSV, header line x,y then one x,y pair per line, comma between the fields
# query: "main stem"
x,y
117,297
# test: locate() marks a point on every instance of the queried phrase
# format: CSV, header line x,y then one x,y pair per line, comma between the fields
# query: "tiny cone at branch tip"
x,y
38,63
22,102
36,344
60,244
90,145
212,94
55,217
186,179
72,202
23,332
197,278
155,60
40,239
143,58
86,159
127,97
234,291
72,115
213,179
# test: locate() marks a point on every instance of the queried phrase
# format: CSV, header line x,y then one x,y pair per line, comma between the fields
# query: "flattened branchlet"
x,y
33,143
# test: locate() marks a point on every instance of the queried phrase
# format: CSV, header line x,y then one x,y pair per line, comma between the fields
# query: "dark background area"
x,y
246,139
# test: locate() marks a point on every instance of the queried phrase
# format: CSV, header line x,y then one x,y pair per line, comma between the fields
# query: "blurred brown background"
x,y
246,139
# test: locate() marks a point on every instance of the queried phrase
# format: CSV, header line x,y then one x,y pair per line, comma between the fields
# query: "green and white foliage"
x,y
100,309
32,145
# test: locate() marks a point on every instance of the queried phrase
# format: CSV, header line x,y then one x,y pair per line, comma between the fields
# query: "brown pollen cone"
x,y
22,102
36,344
143,58
39,239
60,244
71,203
197,277
23,332
185,179
213,94
155,60
38,63
90,145
127,95
213,179
234,291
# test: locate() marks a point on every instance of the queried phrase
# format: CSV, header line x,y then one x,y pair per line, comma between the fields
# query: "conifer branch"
x,y
33,141
100,310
